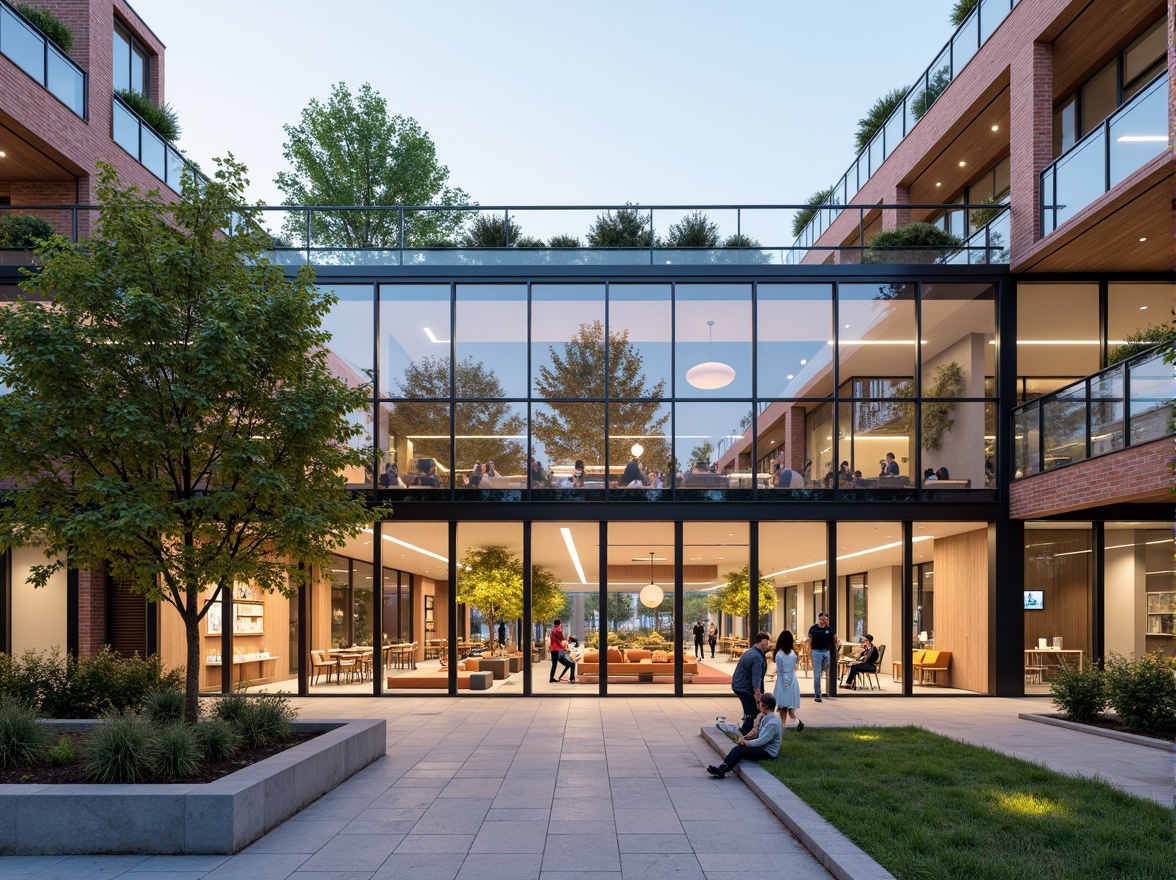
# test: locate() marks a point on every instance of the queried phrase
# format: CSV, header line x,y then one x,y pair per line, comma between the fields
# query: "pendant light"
x,y
712,374
652,595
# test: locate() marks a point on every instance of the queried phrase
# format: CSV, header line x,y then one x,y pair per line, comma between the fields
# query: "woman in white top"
x,y
787,690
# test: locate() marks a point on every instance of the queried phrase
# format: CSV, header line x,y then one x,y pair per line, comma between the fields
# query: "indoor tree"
x,y
490,580
171,415
734,597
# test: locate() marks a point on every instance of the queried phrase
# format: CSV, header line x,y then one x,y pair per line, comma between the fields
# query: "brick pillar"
x,y
91,611
896,218
1030,142
794,438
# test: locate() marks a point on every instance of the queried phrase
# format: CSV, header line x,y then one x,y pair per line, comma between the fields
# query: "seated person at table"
x,y
759,744
867,661
632,477
942,474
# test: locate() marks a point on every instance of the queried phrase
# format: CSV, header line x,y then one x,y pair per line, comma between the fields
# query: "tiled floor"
x,y
578,789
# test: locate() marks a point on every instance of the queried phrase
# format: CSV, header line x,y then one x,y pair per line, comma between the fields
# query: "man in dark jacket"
x,y
748,679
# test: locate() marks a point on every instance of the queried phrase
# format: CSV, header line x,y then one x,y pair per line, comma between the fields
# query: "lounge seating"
x,y
934,662
896,666
319,663
639,662
437,680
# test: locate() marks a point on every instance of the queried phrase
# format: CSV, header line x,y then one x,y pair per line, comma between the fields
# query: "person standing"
x,y
890,468
747,681
699,631
821,640
556,645
787,690
712,636
763,745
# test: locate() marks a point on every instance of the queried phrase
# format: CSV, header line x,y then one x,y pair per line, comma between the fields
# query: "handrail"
x,y
1031,420
931,84
983,247
54,67
1049,175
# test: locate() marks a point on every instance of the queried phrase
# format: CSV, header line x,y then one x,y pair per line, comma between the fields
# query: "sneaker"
x,y
817,698
716,772
799,725
727,727
551,681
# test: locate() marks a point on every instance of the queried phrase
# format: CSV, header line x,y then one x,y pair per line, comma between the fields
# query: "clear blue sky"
x,y
650,101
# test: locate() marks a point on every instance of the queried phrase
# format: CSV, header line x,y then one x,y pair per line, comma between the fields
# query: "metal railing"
x,y
23,43
1124,142
1124,405
131,132
972,33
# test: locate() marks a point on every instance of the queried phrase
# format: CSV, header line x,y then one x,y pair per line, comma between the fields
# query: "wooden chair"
x,y
349,664
896,666
804,659
318,663
866,676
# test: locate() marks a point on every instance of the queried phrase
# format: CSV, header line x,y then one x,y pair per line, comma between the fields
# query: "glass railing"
x,y
1124,405
972,33
24,45
1123,143
746,236
134,135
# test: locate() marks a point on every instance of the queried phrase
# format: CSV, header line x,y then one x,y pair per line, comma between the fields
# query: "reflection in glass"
x,y
1138,131
794,326
418,441
1106,412
564,432
1151,398
491,328
704,434
1026,430
640,432
644,312
414,332
877,332
877,441
489,434
567,341
1064,427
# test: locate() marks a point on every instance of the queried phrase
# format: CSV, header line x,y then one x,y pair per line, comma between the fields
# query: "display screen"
x,y
1034,600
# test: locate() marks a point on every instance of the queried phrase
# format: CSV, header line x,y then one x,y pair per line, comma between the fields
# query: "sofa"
x,y
641,663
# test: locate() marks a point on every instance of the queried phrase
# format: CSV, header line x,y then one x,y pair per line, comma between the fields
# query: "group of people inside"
x,y
766,714
710,632
565,651
932,474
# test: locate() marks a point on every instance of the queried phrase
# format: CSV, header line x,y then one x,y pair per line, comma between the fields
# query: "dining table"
x,y
361,654
1038,660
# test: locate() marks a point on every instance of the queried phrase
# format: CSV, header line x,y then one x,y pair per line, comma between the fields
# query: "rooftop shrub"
x,y
914,243
876,117
162,119
23,230
49,24
802,217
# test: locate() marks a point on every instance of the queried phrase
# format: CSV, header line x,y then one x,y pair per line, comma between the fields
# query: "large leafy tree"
x,y
734,597
574,429
695,230
171,414
482,426
490,580
350,151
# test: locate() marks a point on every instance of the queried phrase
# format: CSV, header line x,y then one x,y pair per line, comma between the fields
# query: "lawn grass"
x,y
927,807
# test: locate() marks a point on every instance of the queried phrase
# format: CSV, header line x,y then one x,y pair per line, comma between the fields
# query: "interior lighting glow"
x,y
422,550
571,545
996,128
434,339
1144,239
891,546
962,163
1143,139
710,374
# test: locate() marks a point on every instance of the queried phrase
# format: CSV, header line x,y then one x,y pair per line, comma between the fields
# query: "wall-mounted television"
x,y
1034,600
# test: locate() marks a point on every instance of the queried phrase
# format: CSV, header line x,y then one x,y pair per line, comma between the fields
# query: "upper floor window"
x,y
131,62
1112,86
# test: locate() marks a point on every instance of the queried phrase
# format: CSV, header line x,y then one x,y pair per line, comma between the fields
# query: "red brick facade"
x,y
1135,474
91,611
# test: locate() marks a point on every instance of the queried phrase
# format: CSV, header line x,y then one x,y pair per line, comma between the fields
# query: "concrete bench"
x,y
481,681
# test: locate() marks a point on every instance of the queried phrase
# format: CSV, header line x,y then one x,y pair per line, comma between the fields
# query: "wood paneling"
x,y
126,620
1057,562
961,607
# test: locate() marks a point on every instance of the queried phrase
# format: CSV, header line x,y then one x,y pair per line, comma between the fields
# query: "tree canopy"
x,y
626,227
171,413
575,429
350,151
695,230
490,580
482,426
875,118
734,597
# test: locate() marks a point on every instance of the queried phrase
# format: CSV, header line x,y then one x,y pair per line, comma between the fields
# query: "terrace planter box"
x,y
218,817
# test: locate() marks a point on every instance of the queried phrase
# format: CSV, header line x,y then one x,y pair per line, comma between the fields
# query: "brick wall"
x,y
1134,474
91,611
1031,140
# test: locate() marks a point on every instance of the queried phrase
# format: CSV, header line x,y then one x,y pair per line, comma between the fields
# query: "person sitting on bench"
x,y
761,743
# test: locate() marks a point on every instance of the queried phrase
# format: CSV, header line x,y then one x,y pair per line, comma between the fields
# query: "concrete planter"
x,y
215,817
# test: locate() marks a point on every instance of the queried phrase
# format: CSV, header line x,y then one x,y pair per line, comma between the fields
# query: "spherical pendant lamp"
x,y
711,374
652,595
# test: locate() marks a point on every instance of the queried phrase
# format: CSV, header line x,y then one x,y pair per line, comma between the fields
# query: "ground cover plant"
x,y
926,806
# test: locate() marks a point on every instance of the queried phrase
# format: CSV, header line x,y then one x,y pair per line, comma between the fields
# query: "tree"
x,y
702,453
171,414
870,124
563,241
484,424
914,243
351,152
490,580
802,217
620,610
628,227
695,230
960,11
694,606
576,430
492,231
734,597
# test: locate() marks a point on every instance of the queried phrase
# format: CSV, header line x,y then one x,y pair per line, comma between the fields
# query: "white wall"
x,y
38,616
884,607
1125,600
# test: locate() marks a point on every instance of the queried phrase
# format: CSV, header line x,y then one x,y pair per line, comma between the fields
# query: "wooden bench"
x,y
896,666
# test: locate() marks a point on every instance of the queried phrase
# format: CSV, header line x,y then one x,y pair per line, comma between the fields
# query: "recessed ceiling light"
x,y
996,128
937,183
803,362
962,163
790,377
2,154
1143,308
1144,238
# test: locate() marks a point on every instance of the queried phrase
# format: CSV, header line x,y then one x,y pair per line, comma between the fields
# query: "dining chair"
x,y
867,676
318,663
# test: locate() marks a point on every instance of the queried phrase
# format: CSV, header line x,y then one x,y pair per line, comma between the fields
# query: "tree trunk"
x,y
192,671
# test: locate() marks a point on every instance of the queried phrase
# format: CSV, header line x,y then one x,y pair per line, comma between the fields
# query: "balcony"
x,y
1125,142
972,33
1127,404
26,47
140,140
